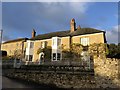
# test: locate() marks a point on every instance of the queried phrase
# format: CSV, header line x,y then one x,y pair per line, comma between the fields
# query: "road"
x,y
10,83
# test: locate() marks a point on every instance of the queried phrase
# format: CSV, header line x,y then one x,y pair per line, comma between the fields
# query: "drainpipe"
x,y
70,46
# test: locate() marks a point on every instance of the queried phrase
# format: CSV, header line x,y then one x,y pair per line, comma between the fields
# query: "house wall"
x,y
11,47
37,45
93,38
65,41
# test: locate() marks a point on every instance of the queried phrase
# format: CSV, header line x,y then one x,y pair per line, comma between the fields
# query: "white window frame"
x,y
31,44
84,41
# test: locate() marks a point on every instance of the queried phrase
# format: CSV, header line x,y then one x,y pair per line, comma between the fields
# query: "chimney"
x,y
72,25
33,33
78,28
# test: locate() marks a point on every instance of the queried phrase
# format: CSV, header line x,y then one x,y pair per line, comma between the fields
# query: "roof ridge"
x,y
13,40
54,32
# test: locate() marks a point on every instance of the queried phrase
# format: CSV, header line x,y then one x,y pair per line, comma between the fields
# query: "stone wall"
x,y
106,75
107,72
58,80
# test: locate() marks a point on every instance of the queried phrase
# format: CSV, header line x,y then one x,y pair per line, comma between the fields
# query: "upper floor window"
x,y
84,41
43,44
59,42
54,42
31,44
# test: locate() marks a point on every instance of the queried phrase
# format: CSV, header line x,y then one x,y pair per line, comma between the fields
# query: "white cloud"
x,y
59,12
112,35
55,14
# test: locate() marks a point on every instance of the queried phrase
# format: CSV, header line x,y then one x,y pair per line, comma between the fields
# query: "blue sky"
x,y
18,19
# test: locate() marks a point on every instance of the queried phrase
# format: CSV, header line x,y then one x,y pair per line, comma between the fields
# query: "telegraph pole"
x,y
1,31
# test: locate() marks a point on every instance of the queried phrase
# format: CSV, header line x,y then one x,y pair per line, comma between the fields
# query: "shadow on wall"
x,y
106,82
68,81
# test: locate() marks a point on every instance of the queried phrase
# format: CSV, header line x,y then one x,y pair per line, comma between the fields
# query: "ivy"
x,y
47,52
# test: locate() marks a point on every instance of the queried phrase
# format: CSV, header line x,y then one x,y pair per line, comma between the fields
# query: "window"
x,y
29,57
43,44
58,56
31,44
54,56
54,42
84,41
26,57
59,42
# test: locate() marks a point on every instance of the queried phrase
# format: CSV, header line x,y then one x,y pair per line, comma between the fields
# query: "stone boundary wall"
x,y
58,80
107,71
106,75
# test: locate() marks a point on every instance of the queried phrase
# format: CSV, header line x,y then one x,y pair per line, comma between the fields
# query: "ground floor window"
x,y
29,57
56,56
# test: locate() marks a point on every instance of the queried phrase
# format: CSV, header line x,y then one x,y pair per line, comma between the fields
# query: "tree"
x,y
47,52
114,50
18,54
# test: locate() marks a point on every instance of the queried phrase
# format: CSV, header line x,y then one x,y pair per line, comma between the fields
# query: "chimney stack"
x,y
72,25
78,28
33,33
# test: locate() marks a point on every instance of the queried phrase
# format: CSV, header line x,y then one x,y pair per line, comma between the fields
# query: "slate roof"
x,y
19,39
82,31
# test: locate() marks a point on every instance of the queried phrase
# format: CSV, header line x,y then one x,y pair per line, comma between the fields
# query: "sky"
x,y
19,18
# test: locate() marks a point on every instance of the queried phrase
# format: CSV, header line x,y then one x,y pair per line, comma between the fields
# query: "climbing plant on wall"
x,y
98,49
47,52
74,52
